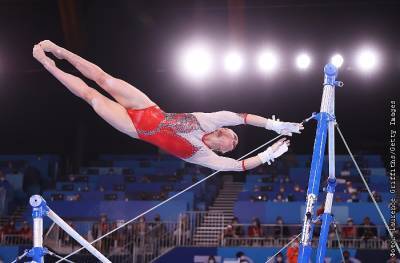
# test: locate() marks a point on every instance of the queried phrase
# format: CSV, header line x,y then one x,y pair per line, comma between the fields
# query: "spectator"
x,y
377,197
228,231
118,236
293,252
182,232
158,227
237,229
349,231
26,232
279,229
231,231
100,228
242,258
349,259
367,229
255,229
141,226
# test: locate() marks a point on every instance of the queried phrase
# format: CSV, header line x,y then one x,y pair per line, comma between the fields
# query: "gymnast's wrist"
x,y
266,156
270,124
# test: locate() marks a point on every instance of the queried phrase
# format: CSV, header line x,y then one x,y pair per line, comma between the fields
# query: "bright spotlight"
x,y
197,61
267,61
303,61
233,62
337,60
367,60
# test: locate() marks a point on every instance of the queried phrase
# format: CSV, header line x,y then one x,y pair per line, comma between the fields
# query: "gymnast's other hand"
x,y
284,128
274,151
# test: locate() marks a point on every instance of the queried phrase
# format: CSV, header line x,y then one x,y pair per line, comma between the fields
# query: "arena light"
x,y
337,60
197,61
367,59
267,61
233,62
303,61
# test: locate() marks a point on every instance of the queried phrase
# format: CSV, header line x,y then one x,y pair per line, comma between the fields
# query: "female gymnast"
x,y
193,137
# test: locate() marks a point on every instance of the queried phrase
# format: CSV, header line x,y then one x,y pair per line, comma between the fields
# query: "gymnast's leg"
x,y
109,110
124,93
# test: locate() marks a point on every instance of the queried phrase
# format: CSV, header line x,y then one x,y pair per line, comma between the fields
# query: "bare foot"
x,y
40,56
49,46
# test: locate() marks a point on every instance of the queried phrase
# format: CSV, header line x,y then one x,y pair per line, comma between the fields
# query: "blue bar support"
x,y
325,125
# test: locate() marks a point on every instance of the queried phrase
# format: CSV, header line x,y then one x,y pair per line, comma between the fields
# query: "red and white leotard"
x,y
181,134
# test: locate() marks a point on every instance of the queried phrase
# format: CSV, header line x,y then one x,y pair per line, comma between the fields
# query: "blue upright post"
x,y
39,210
325,118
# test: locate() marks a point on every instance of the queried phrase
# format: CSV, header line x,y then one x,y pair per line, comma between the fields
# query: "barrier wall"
x,y
293,212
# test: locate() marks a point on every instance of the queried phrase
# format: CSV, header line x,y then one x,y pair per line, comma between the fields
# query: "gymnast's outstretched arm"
x,y
221,163
214,120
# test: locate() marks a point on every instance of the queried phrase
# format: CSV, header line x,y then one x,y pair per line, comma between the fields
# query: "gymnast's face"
x,y
226,140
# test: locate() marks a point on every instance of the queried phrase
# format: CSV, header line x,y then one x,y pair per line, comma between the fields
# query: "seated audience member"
x,y
367,229
140,227
349,231
353,198
349,259
293,252
100,228
280,230
237,229
182,232
377,197
255,229
228,231
158,227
